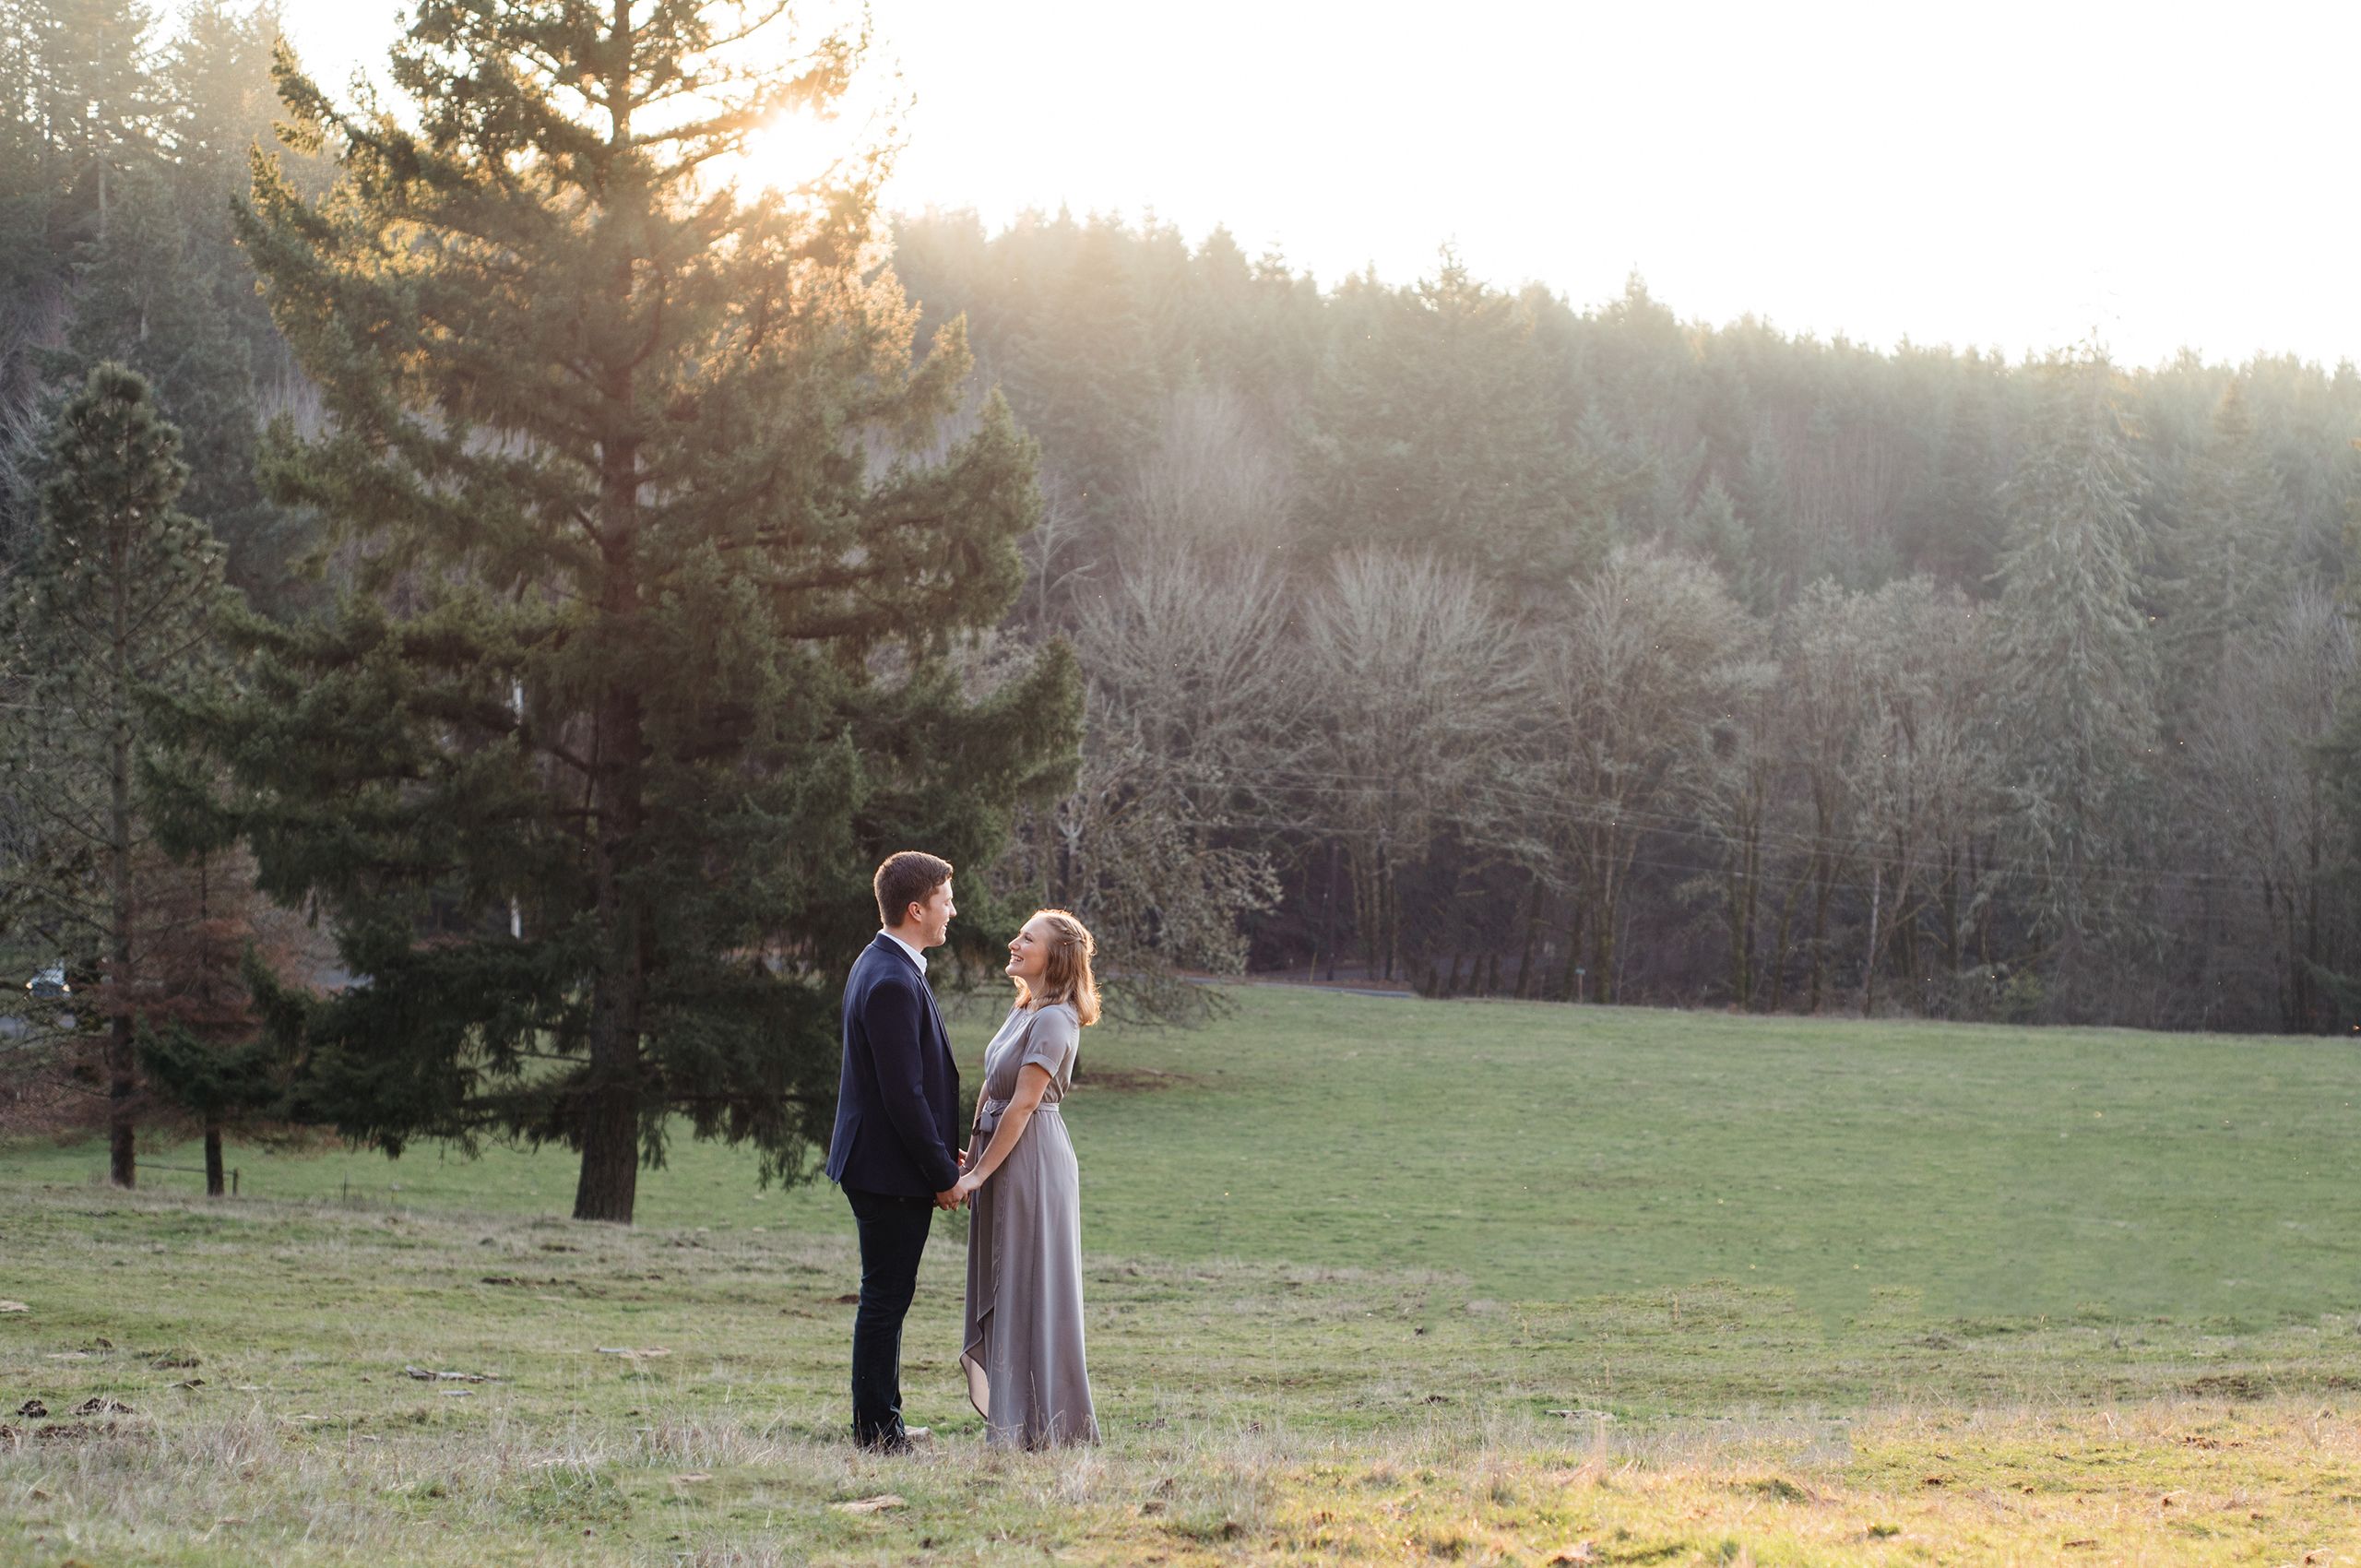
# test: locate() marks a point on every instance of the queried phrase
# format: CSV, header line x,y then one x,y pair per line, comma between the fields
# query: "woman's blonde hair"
x,y
1065,972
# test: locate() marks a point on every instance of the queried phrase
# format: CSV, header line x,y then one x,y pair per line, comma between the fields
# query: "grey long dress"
x,y
1022,1348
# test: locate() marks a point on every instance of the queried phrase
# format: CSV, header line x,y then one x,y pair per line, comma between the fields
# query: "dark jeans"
x,y
892,1235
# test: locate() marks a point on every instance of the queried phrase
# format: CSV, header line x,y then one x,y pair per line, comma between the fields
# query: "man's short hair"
x,y
907,877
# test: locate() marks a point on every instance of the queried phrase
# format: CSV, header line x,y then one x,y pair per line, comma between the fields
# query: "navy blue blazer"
x,y
897,1097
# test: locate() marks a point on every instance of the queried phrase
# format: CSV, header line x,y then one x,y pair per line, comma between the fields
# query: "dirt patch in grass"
x,y
13,1438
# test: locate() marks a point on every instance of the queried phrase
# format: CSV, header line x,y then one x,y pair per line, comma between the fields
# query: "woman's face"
x,y
1028,953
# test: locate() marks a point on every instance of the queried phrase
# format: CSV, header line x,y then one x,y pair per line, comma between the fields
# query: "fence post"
x,y
233,1181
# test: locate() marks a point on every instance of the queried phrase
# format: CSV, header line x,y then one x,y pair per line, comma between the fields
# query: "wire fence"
x,y
348,1193
231,1173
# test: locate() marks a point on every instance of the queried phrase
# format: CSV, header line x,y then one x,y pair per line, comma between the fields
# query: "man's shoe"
x,y
919,1437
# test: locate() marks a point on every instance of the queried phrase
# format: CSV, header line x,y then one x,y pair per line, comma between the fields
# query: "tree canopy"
x,y
660,542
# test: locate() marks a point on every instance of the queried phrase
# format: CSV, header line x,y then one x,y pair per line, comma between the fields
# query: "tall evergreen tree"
x,y
2078,667
219,97
1715,531
112,614
202,1044
1087,377
2229,551
96,102
644,666
23,181
220,101
165,291
1432,429
1763,498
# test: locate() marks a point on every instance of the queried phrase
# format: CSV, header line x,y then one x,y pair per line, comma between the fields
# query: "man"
x,y
894,1150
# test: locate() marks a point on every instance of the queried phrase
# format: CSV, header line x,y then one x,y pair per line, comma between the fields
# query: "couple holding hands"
x,y
896,1153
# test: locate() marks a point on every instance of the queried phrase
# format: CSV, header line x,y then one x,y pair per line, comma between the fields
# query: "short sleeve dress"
x,y
1022,1347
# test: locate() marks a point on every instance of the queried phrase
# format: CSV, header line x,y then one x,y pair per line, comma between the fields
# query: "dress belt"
x,y
993,1108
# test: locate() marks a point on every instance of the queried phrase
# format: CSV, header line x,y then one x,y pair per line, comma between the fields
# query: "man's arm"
x,y
895,1019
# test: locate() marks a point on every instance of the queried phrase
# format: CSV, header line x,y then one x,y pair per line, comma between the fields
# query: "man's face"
x,y
933,916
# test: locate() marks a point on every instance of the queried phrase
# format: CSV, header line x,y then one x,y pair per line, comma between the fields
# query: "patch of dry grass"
x,y
2164,1483
1255,1413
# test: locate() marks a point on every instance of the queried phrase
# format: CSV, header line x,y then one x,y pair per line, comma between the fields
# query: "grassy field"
x,y
1368,1280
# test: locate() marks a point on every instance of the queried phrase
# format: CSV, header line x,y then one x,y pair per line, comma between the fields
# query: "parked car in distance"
x,y
51,981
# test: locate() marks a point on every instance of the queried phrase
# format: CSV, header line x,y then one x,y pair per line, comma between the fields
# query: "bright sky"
x,y
1993,175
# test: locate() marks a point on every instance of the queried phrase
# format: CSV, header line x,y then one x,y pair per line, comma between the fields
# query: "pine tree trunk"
x,y
123,1165
609,1125
608,1185
215,1186
122,1058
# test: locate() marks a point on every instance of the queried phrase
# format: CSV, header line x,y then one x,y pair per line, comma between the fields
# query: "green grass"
x,y
1556,1153
1368,1280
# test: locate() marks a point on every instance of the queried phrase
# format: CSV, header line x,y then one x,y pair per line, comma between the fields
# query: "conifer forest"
x,y
460,549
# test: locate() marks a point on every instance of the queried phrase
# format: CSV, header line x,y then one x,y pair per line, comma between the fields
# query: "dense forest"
x,y
1449,635
1483,642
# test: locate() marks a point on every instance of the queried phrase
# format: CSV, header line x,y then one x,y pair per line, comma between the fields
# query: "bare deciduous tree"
x,y
1217,476
1421,684
2253,793
1736,799
1162,892
1927,779
1651,658
1191,649
1193,731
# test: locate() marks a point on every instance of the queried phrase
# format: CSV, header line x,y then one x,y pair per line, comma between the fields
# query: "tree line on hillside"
x,y
478,551
1478,642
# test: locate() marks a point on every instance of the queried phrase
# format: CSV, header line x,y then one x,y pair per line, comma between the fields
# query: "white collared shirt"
x,y
916,957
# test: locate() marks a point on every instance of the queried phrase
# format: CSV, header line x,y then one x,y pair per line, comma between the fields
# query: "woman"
x,y
1023,1345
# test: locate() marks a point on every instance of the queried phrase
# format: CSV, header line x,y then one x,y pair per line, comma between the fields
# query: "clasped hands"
x,y
959,1192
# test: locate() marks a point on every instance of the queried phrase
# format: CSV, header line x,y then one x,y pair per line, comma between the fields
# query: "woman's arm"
x,y
1032,1082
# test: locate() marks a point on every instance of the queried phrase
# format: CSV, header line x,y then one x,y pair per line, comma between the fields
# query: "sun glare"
x,y
786,154
797,150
